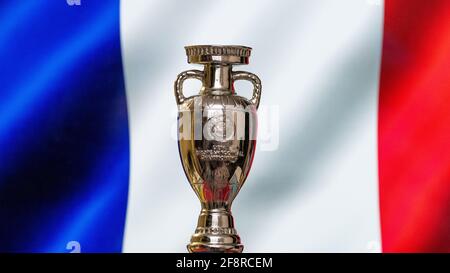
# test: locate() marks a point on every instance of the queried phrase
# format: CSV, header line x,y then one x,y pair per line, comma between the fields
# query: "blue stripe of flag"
x,y
64,146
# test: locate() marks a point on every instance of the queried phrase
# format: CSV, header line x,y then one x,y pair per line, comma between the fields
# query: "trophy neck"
x,y
217,79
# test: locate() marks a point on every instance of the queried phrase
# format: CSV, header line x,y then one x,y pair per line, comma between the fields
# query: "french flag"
x,y
354,146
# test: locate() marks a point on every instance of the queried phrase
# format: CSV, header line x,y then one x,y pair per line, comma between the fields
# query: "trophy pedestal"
x,y
215,233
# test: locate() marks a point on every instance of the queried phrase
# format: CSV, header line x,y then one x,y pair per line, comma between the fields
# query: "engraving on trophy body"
x,y
217,164
216,140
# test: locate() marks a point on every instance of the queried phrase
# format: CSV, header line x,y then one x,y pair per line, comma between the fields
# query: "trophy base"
x,y
215,233
209,248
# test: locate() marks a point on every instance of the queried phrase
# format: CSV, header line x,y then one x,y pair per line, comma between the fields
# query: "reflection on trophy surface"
x,y
216,139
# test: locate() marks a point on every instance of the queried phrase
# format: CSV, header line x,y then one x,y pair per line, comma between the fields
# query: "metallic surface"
x,y
216,139
206,54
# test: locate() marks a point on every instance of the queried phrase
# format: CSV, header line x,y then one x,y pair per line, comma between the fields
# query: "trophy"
x,y
216,140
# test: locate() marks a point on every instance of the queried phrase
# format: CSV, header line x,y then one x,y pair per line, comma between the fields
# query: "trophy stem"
x,y
217,79
215,233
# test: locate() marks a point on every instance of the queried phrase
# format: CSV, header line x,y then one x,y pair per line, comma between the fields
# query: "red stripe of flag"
x,y
414,127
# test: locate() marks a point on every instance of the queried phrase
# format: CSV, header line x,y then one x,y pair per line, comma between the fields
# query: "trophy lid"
x,y
229,54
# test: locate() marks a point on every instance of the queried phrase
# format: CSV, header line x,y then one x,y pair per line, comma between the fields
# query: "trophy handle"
x,y
178,86
244,75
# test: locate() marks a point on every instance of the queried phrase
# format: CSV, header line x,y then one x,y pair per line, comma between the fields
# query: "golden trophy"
x,y
216,140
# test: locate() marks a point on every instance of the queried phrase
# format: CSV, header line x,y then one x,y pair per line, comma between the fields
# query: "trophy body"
x,y
216,140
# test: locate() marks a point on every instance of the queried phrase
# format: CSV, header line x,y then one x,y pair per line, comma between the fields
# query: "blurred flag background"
x,y
354,143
